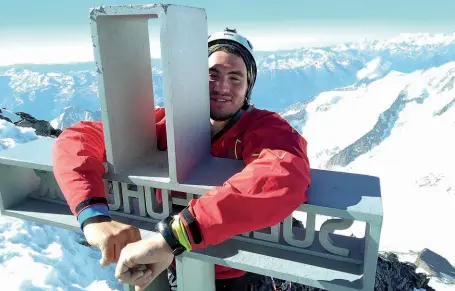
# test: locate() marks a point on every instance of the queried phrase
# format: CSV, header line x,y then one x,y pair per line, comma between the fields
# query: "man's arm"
x,y
78,157
271,186
79,154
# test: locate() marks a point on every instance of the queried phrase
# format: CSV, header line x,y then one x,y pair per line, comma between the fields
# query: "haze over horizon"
x,y
60,32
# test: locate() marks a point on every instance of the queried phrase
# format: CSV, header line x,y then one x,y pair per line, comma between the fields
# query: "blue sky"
x,y
56,31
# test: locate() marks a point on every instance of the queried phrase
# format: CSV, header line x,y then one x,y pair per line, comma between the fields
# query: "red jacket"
x,y
270,187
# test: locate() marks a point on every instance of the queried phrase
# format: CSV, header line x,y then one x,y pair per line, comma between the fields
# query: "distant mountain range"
x,y
284,78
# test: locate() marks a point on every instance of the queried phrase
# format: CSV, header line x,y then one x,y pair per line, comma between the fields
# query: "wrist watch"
x,y
164,227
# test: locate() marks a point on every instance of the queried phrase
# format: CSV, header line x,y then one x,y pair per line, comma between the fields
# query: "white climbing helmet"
x,y
232,35
243,47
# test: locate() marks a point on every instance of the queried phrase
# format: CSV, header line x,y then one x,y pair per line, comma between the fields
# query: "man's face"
x,y
227,84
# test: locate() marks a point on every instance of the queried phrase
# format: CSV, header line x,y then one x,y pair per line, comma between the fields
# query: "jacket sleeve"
x,y
78,156
272,185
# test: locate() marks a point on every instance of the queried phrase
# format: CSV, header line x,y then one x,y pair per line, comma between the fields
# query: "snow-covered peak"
x,y
70,115
44,94
44,91
419,46
284,77
289,77
403,41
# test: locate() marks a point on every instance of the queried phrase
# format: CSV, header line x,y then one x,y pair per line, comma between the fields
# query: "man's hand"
x,y
110,237
141,262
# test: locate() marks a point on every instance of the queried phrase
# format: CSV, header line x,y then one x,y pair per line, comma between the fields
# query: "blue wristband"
x,y
92,211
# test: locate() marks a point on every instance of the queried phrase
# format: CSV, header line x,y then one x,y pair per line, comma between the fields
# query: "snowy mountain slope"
x,y
54,258
39,257
11,135
353,120
400,128
415,165
284,78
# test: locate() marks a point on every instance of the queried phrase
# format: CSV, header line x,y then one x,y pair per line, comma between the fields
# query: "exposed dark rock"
x,y
391,275
4,117
436,265
394,275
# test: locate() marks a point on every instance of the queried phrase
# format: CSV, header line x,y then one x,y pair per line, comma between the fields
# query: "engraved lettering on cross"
x,y
273,236
288,235
149,206
330,226
138,194
153,206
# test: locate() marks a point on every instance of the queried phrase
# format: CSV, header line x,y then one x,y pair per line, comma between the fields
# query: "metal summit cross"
x,y
308,255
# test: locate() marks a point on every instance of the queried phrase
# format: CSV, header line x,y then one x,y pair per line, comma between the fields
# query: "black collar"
x,y
231,122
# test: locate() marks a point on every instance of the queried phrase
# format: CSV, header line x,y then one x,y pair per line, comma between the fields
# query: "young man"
x,y
270,187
